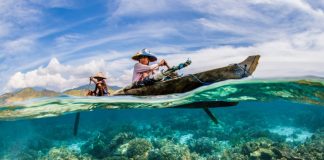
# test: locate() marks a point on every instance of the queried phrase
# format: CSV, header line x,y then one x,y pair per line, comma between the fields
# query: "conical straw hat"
x,y
100,75
144,53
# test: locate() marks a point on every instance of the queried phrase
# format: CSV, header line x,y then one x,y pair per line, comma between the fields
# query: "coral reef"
x,y
99,146
27,154
138,148
205,146
313,148
64,153
120,139
171,151
96,146
261,148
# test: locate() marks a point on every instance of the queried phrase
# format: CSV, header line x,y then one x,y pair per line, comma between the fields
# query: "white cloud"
x,y
251,21
19,45
59,77
225,8
146,31
139,8
223,26
257,21
297,4
248,10
298,55
4,28
18,12
20,23
67,40
54,3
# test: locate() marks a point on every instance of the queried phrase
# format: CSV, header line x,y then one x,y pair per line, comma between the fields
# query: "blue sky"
x,y
57,44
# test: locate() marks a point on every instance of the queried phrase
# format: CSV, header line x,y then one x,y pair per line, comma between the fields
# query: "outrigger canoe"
x,y
193,81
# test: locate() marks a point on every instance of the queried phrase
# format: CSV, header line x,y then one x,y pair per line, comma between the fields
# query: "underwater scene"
x,y
267,119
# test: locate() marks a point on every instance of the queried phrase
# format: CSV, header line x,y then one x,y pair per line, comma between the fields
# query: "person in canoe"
x,y
101,88
145,74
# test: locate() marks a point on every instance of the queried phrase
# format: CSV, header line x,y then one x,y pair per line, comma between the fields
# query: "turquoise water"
x,y
275,118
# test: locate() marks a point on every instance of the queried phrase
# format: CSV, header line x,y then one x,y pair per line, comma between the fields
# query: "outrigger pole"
x,y
76,124
205,105
77,119
211,116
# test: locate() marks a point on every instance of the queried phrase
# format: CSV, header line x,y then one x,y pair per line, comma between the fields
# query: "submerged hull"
x,y
193,81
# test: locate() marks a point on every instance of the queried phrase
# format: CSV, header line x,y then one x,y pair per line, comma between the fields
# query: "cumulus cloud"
x,y
298,55
59,77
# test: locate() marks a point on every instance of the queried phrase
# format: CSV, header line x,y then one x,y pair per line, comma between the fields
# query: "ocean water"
x,y
274,119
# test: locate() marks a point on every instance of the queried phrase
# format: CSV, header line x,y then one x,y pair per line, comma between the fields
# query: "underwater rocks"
x,y
171,152
205,146
120,139
293,135
261,149
138,148
100,146
96,146
313,148
63,153
125,146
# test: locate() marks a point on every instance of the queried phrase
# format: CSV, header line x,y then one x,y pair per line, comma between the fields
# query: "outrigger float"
x,y
182,84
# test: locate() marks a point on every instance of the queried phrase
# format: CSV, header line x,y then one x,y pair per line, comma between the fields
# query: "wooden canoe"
x,y
193,81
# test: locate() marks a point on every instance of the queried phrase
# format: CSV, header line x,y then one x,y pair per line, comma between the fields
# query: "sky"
x,y
58,44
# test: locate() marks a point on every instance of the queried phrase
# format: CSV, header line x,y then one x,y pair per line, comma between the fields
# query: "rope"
x,y
245,72
200,81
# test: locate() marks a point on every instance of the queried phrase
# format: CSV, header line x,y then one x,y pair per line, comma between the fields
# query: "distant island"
x,y
37,92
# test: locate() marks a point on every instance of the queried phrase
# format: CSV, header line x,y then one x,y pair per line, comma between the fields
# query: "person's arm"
x,y
140,68
164,63
93,80
154,66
